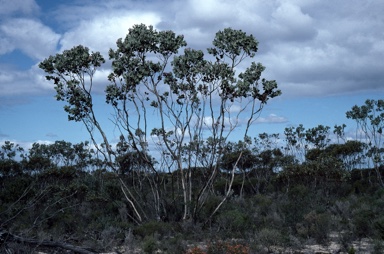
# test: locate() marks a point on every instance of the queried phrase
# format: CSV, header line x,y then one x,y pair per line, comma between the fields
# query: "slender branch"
x,y
9,237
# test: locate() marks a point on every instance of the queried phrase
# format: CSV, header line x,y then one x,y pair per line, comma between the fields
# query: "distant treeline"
x,y
65,192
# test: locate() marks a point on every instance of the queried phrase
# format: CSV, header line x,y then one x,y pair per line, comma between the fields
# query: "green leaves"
x,y
76,60
233,43
237,45
372,110
169,43
133,61
69,72
189,65
370,121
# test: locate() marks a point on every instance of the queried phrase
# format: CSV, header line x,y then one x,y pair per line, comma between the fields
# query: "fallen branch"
x,y
8,237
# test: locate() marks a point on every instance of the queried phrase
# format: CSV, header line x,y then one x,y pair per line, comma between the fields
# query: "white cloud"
x,y
30,36
102,32
272,118
235,108
290,23
309,47
209,11
23,6
15,82
268,20
229,123
5,46
344,56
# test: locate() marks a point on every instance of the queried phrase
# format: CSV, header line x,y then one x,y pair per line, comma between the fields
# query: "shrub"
x,y
296,205
172,245
378,247
149,244
379,227
263,204
269,238
315,225
152,228
351,250
362,221
233,222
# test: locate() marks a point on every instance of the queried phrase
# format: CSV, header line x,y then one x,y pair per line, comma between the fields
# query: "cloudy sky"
x,y
325,55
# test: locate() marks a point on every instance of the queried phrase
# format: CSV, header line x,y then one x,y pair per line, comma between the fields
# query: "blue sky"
x,y
326,56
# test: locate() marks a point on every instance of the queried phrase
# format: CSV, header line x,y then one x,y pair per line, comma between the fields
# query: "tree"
x,y
231,159
338,130
39,158
197,100
295,142
370,121
10,150
350,153
299,140
318,136
9,164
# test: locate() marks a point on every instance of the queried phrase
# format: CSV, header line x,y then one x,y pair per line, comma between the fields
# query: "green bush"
x,y
234,223
315,225
263,204
173,244
379,227
378,247
152,228
362,221
269,238
149,245
296,204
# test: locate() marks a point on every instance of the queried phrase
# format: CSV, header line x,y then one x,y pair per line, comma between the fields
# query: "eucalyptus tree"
x,y
370,122
265,141
244,164
178,108
39,158
10,150
295,142
299,140
351,153
9,164
318,136
339,131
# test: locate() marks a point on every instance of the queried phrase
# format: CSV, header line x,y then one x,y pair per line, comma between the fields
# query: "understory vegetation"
x,y
62,192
